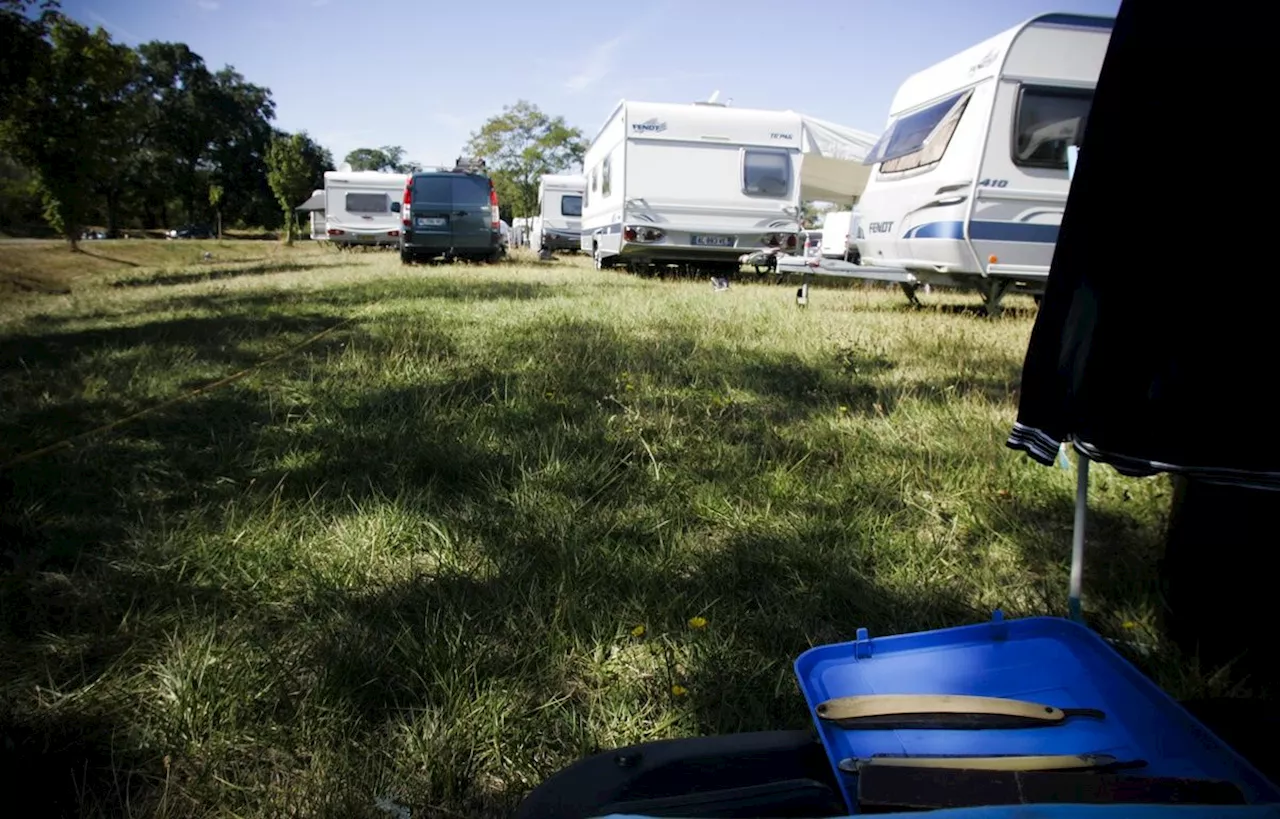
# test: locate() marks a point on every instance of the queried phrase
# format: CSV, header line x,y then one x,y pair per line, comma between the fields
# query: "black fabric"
x,y
1152,349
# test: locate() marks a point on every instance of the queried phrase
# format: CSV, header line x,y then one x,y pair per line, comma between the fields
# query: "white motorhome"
x,y
559,212
363,207
970,176
692,185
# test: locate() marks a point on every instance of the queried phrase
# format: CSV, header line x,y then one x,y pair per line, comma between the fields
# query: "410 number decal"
x,y
993,183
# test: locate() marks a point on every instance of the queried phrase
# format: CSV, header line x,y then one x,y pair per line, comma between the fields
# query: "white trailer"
x,y
363,207
559,212
971,172
691,185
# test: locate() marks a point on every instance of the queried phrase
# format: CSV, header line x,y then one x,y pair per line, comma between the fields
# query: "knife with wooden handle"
x,y
1044,762
944,711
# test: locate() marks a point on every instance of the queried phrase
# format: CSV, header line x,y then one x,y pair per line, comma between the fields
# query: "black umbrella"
x,y
1150,351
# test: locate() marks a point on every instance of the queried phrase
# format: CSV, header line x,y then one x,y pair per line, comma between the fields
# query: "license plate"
x,y
430,221
711,241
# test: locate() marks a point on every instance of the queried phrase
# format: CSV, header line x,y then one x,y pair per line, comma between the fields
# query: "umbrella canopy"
x,y
1150,352
1140,356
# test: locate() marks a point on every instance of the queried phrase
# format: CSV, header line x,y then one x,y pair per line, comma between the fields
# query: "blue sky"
x,y
423,74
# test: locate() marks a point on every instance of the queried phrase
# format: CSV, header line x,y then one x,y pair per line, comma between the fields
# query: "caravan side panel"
x,y
603,190
1042,102
913,210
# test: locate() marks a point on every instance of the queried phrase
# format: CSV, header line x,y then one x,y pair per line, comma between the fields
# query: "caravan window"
x,y
606,177
766,172
367,203
571,206
919,139
1049,121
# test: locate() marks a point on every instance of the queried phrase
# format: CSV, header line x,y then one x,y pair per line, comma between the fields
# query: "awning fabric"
x,y
832,168
316,202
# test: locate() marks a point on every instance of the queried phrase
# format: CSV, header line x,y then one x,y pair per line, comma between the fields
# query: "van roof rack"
x,y
469,164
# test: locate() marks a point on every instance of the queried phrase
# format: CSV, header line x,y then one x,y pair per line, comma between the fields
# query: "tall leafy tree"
x,y
237,158
66,123
24,27
520,145
291,162
388,158
182,122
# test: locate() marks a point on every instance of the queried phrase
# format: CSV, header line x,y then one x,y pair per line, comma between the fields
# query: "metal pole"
x,y
1077,538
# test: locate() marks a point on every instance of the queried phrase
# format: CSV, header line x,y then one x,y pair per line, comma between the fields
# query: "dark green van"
x,y
450,214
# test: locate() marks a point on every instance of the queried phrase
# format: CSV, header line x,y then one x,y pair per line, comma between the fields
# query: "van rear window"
x,y
571,206
367,203
434,188
920,138
470,190
766,172
1050,120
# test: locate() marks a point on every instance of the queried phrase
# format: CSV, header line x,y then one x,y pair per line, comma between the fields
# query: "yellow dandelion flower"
x,y
843,408
638,631
697,622
1130,624
679,690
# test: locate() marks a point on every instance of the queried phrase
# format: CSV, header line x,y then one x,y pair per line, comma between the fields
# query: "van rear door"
x,y
472,216
432,212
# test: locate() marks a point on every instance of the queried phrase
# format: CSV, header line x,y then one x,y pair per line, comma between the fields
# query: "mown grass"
x,y
459,542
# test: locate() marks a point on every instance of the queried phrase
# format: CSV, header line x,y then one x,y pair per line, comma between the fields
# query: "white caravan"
x,y
363,207
971,174
691,185
560,212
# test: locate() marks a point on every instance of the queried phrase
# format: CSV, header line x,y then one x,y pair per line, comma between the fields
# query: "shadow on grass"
x,y
1008,311
107,258
215,274
540,497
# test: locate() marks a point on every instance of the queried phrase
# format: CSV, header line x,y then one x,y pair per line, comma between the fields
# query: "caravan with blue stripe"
x,y
970,177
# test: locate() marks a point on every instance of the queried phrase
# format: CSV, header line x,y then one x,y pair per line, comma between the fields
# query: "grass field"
x,y
495,519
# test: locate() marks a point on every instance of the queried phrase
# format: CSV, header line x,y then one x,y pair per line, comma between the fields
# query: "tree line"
x,y
94,132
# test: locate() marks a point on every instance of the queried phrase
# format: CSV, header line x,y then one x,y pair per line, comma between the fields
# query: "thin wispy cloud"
x,y
112,29
595,67
209,5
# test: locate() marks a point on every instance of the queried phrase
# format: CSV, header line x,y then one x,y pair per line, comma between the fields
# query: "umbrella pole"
x,y
1077,538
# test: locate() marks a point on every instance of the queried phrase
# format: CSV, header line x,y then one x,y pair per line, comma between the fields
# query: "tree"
x,y
520,145
216,193
66,123
388,158
25,45
291,174
236,159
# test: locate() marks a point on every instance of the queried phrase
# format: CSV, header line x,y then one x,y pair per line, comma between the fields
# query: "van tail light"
x,y
405,216
493,203
335,232
394,234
